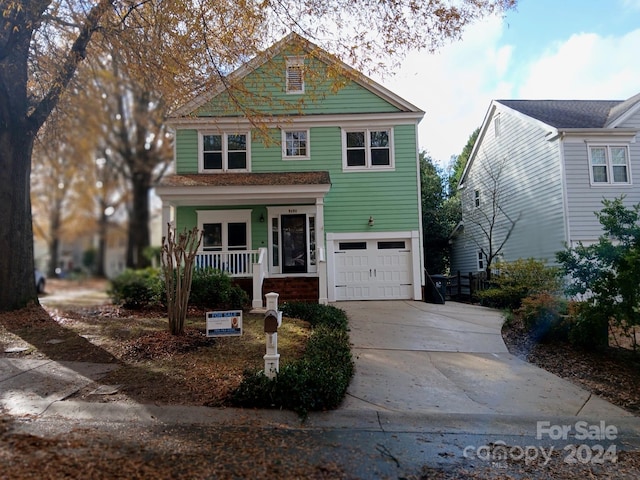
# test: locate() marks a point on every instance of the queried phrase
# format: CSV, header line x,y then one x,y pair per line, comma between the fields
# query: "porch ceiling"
x,y
244,188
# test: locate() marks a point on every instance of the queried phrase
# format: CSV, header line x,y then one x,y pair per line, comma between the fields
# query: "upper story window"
x,y
224,152
367,149
609,164
476,198
496,126
295,75
295,144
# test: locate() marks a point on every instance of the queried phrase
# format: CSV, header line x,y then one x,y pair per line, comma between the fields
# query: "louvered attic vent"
x,y
295,75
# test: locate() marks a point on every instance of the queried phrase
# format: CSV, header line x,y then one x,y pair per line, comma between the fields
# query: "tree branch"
x,y
76,54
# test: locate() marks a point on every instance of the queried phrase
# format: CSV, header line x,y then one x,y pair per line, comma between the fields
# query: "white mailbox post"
x,y
272,320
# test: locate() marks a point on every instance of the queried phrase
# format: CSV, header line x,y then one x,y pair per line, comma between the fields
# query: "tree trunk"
x,y
139,237
54,235
17,284
16,235
102,242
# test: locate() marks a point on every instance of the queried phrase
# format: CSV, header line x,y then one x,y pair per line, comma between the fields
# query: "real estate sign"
x,y
226,323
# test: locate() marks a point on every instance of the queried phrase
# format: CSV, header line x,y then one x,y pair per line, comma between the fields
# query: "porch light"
x,y
371,221
262,218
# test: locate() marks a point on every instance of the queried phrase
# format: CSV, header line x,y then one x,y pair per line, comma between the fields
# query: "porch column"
x,y
321,254
168,216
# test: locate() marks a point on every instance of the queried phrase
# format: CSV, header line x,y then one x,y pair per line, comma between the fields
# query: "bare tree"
x,y
178,254
484,213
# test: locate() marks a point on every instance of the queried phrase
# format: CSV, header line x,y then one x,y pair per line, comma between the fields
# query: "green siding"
x,y
391,197
326,92
186,151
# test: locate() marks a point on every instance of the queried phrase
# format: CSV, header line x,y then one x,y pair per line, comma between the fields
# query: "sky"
x,y
544,49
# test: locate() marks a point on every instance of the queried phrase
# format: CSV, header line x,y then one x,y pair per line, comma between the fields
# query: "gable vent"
x,y
295,75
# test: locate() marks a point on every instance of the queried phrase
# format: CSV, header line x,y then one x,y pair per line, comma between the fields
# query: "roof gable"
x,y
248,89
623,110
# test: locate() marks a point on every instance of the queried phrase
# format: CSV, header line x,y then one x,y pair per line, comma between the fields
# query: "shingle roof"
x,y
246,179
567,113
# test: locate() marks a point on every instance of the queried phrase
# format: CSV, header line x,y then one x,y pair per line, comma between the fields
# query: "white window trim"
x,y
294,62
225,217
368,167
480,259
225,157
284,144
609,165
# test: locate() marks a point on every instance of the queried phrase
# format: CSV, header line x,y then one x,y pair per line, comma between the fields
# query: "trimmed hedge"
x,y
317,381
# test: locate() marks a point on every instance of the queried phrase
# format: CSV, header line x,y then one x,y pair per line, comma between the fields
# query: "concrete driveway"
x,y
424,358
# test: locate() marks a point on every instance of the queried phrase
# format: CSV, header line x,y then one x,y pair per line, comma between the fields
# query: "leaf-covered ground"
x,y
196,370
155,366
613,374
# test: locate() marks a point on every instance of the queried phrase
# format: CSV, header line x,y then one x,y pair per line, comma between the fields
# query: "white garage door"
x,y
373,270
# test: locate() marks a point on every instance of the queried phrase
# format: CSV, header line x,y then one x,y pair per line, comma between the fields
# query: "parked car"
x,y
40,281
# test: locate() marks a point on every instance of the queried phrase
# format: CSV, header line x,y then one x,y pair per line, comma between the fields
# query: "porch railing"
x,y
235,263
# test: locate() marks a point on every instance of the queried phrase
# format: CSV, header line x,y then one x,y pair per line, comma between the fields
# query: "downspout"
x,y
565,196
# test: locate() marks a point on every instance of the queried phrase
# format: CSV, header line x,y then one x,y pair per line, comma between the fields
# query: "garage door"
x,y
373,270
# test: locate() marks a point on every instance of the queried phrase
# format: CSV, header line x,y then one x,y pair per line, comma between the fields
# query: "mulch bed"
x,y
612,373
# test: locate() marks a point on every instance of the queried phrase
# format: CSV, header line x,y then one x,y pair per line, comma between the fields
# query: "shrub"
x,y
518,280
318,380
137,288
212,288
544,315
588,328
316,314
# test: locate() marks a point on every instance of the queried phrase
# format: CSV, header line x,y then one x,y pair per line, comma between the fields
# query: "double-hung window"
x,y
222,152
367,149
609,164
295,144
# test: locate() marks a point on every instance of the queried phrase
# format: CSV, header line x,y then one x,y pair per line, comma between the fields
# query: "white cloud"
x,y
455,86
586,66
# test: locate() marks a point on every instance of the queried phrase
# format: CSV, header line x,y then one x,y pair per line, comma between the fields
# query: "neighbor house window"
x,y
480,261
367,148
609,164
295,75
476,198
225,152
295,144
496,126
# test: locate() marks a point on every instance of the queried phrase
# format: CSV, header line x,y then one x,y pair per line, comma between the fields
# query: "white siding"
x,y
531,189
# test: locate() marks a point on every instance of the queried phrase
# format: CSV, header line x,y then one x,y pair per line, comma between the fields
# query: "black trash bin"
x,y
437,289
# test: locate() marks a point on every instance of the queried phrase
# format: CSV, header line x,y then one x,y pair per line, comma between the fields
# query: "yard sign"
x,y
226,323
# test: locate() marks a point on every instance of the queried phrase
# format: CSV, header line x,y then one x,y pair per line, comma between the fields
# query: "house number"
x,y
293,210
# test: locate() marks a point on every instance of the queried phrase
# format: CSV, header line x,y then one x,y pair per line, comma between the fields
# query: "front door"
x,y
294,243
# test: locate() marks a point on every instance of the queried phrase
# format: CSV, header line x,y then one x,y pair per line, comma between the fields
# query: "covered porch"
x,y
256,226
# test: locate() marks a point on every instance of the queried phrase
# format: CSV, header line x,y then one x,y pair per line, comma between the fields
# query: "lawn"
x,y
155,367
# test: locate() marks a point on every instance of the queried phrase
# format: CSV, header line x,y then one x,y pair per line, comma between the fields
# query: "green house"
x,y
303,175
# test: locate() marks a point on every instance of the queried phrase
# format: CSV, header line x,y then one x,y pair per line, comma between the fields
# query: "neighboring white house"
x,y
538,172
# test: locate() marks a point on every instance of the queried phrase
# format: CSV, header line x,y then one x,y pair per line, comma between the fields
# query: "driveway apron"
x,y
426,358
